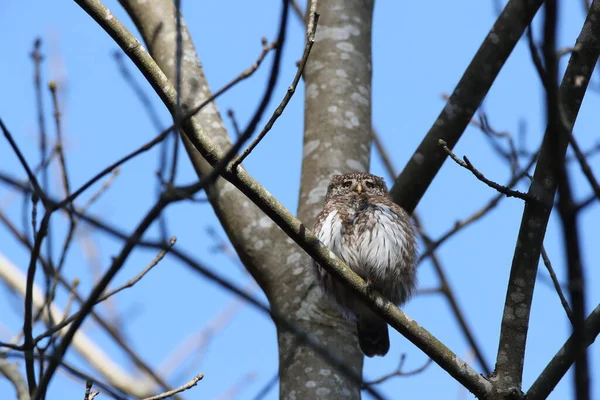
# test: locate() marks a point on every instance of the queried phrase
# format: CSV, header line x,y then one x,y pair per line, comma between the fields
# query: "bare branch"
x,y
466,98
400,372
563,299
104,297
585,167
467,165
180,389
12,374
81,342
236,127
564,358
110,330
89,395
448,293
310,40
39,193
59,139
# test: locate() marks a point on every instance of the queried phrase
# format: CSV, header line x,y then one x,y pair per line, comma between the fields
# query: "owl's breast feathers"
x,y
375,238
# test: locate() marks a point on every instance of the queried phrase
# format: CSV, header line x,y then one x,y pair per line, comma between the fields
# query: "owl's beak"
x,y
358,188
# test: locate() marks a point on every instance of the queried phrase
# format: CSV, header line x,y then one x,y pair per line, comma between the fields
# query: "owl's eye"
x,y
347,184
369,184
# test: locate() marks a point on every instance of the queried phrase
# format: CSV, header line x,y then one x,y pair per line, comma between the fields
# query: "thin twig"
x,y
59,139
236,126
180,389
591,199
310,40
102,298
89,395
112,332
267,387
535,56
105,186
467,165
585,167
37,190
399,371
556,284
139,276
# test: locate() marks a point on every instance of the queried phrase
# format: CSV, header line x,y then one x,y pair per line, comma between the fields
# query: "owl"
x,y
374,237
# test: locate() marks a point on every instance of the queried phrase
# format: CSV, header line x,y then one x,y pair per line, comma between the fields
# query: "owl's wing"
x,y
319,222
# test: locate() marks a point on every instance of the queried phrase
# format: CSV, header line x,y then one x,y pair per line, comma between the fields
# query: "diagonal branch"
x,y
557,287
585,167
288,95
479,76
564,358
465,163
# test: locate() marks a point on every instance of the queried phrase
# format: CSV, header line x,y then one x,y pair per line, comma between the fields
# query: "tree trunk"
x,y
337,139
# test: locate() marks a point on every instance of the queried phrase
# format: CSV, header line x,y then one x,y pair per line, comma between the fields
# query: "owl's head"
x,y
356,184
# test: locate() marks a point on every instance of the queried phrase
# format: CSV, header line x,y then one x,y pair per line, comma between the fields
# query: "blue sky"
x,y
420,50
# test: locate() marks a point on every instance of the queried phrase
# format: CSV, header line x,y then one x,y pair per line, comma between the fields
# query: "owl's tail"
x,y
373,336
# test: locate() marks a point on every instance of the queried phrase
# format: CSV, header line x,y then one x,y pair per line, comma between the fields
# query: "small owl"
x,y
374,237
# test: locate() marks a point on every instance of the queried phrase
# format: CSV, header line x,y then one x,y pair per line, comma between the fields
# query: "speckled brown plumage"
x,y
374,237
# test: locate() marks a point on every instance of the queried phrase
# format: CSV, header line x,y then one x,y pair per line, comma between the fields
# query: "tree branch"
x,y
564,358
515,321
556,284
12,374
479,76
467,165
180,389
88,350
